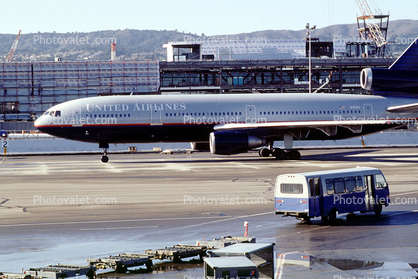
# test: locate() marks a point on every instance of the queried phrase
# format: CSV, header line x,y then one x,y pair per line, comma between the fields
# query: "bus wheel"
x,y
306,219
377,209
332,217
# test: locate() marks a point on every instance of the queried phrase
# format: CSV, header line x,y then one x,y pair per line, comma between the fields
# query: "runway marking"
x,y
379,155
117,221
314,229
218,221
119,228
399,213
401,194
245,165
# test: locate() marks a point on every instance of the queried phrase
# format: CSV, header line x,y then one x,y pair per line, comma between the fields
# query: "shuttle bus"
x,y
326,193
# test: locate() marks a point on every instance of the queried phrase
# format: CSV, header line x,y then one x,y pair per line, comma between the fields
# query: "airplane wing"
x,y
403,108
329,128
297,124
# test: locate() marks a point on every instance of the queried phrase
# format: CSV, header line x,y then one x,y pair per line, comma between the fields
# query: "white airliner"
x,y
235,123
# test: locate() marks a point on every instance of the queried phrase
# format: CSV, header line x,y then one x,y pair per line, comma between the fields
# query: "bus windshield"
x,y
381,181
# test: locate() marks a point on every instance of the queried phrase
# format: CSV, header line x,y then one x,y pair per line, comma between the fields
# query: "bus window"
x,y
291,188
359,184
339,185
380,181
349,184
330,186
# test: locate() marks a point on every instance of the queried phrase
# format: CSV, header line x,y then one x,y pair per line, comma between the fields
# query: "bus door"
x,y
369,198
315,196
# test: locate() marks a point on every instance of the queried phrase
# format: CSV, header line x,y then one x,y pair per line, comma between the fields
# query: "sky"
x,y
211,17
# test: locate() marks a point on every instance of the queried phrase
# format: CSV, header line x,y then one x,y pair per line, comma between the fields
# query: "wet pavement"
x,y
163,200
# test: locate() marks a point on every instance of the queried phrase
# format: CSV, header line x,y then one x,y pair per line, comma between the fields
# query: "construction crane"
x,y
376,33
13,48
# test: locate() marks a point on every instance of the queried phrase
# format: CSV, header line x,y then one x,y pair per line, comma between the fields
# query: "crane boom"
x,y
365,9
13,48
375,32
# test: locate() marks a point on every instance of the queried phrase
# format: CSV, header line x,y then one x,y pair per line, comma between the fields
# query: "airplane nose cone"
x,y
38,122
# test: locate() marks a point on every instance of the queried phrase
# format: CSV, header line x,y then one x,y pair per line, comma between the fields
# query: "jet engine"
x,y
389,80
233,142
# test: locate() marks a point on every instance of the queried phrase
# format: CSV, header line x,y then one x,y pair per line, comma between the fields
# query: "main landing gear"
x,y
280,154
105,146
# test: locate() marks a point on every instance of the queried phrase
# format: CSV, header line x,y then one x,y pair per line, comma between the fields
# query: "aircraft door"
x,y
369,197
155,117
315,196
250,114
368,110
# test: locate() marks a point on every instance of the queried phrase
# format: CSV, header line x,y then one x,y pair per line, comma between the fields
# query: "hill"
x,y
140,44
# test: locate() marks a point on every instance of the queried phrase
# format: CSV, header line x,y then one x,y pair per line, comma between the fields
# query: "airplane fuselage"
x,y
191,118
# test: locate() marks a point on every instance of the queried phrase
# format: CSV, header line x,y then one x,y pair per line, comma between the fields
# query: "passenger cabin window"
x,y
291,188
347,184
330,186
350,184
339,185
380,181
359,184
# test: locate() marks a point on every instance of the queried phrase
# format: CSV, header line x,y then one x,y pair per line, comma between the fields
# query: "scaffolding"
x,y
29,89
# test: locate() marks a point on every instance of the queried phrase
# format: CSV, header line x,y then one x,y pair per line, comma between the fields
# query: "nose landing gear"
x,y
105,146
105,159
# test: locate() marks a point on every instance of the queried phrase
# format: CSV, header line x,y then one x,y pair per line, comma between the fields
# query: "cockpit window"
x,y
53,113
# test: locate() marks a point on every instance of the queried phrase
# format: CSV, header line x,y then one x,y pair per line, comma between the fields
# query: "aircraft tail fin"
x,y
400,79
409,58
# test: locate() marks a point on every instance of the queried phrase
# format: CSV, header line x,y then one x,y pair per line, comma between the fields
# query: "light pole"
x,y
308,32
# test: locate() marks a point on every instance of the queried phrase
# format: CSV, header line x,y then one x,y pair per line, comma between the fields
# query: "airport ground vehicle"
x,y
326,193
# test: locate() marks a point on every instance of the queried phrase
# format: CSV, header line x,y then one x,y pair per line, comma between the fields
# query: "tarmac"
x,y
68,208
29,143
